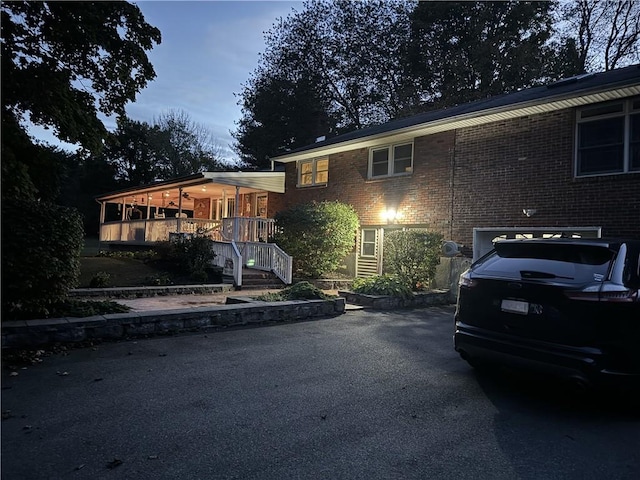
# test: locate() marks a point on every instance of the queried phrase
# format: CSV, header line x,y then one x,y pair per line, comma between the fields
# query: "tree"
x,y
603,35
463,51
279,115
184,147
337,63
62,64
133,151
317,235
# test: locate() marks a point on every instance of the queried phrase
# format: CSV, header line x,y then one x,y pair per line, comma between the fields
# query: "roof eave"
x,y
467,119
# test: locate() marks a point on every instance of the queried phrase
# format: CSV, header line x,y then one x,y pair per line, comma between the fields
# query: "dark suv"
x,y
569,307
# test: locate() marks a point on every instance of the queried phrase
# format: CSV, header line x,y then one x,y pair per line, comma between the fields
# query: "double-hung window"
x,y
313,172
608,138
391,160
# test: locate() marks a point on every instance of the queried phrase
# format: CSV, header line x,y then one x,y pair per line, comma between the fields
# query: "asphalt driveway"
x,y
366,395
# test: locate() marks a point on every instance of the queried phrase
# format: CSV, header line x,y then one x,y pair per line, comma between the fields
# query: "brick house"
x,y
557,159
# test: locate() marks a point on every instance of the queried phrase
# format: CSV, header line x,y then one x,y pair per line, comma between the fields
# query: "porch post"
x,y
236,220
102,215
180,210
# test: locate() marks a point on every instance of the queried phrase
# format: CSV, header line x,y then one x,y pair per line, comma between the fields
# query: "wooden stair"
x,y
260,280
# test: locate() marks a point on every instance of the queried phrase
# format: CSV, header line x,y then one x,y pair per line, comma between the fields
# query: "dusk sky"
x,y
208,50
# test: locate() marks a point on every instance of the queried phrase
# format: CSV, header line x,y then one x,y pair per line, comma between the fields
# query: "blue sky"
x,y
208,50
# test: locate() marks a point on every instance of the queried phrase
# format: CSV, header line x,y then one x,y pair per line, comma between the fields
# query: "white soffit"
x,y
265,181
465,120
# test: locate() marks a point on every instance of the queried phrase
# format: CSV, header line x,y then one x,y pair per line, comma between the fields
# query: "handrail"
x,y
229,258
268,257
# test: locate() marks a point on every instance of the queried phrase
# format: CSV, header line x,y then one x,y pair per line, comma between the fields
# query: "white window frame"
x,y
390,160
363,243
314,172
626,113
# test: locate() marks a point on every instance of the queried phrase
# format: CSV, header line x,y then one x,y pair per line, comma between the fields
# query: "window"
x,y
608,138
391,160
313,172
368,243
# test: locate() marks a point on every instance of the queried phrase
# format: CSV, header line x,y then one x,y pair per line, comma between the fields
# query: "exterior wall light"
x,y
391,215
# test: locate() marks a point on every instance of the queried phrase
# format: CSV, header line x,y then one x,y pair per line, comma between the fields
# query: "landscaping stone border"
x,y
37,333
139,292
386,302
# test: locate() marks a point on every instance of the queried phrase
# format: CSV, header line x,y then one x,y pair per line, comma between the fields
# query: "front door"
x,y
369,259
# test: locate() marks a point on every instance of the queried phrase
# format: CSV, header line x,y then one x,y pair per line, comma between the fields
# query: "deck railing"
x,y
239,241
140,232
268,257
258,255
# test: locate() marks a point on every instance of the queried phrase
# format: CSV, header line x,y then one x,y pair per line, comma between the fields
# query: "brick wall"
x,y
483,177
503,167
422,198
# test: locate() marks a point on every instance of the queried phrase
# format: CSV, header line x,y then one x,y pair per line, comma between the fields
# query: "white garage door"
x,y
483,238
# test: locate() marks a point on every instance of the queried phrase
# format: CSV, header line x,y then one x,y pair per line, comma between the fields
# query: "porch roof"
x,y
206,184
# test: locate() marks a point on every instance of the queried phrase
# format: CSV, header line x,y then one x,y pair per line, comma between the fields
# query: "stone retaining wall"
x,y
386,302
139,292
35,333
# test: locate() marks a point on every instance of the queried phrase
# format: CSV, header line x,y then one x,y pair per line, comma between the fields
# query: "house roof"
x,y
269,181
565,93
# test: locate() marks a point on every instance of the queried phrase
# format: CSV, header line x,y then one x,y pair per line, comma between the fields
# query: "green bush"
x,y
142,255
158,280
99,280
317,235
298,291
192,255
391,285
412,255
41,246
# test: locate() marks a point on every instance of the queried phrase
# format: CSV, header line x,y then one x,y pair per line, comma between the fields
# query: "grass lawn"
x,y
123,272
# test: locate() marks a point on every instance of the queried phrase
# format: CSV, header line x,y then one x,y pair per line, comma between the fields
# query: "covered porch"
x,y
231,208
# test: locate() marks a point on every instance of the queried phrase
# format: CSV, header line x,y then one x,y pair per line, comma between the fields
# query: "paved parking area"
x,y
366,395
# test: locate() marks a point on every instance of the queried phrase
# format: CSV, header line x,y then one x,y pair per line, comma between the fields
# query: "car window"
x,y
566,263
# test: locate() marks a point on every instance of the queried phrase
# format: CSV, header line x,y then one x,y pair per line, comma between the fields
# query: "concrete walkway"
x,y
173,302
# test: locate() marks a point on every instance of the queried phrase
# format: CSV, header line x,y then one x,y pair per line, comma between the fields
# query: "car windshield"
x,y
569,263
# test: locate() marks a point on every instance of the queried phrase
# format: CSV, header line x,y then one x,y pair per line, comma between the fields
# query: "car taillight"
x,y
607,293
466,280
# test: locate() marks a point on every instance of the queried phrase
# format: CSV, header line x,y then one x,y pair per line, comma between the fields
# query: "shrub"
x,y
317,235
99,280
192,255
413,256
157,280
41,245
299,291
382,285
142,255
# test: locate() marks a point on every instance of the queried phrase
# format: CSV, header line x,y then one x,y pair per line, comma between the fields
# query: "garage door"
x,y
483,238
